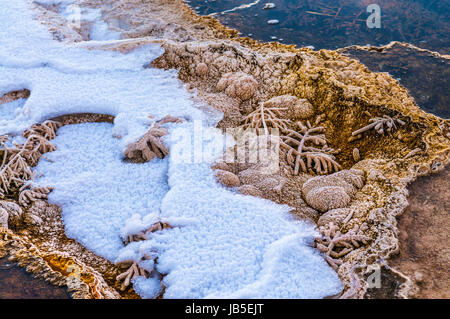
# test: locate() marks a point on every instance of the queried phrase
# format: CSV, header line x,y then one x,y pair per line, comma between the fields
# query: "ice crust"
x,y
96,190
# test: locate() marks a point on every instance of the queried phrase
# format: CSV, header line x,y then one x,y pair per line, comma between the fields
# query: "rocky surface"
x,y
235,75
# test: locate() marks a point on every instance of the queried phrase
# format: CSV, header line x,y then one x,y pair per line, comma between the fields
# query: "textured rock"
x,y
329,197
306,210
201,69
227,179
3,218
221,166
240,85
32,215
250,190
332,191
325,181
270,185
13,211
336,216
297,108
354,177
250,176
356,155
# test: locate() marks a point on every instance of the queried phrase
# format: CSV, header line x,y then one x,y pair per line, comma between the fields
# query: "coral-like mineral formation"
x,y
17,160
336,245
308,149
264,117
145,266
279,112
28,196
133,270
150,145
380,125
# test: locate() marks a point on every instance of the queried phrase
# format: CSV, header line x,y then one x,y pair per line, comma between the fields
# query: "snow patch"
x,y
223,244
9,111
96,190
147,288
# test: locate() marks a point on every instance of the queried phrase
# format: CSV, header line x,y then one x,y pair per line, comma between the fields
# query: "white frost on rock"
x,y
99,30
129,252
136,224
274,21
147,288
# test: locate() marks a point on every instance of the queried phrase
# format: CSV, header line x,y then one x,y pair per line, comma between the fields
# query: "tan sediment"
x,y
14,95
344,91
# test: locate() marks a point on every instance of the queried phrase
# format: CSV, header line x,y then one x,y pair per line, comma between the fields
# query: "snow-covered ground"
x,y
223,244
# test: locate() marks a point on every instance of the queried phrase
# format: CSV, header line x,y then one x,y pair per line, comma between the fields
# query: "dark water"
x,y
426,77
332,24
16,283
